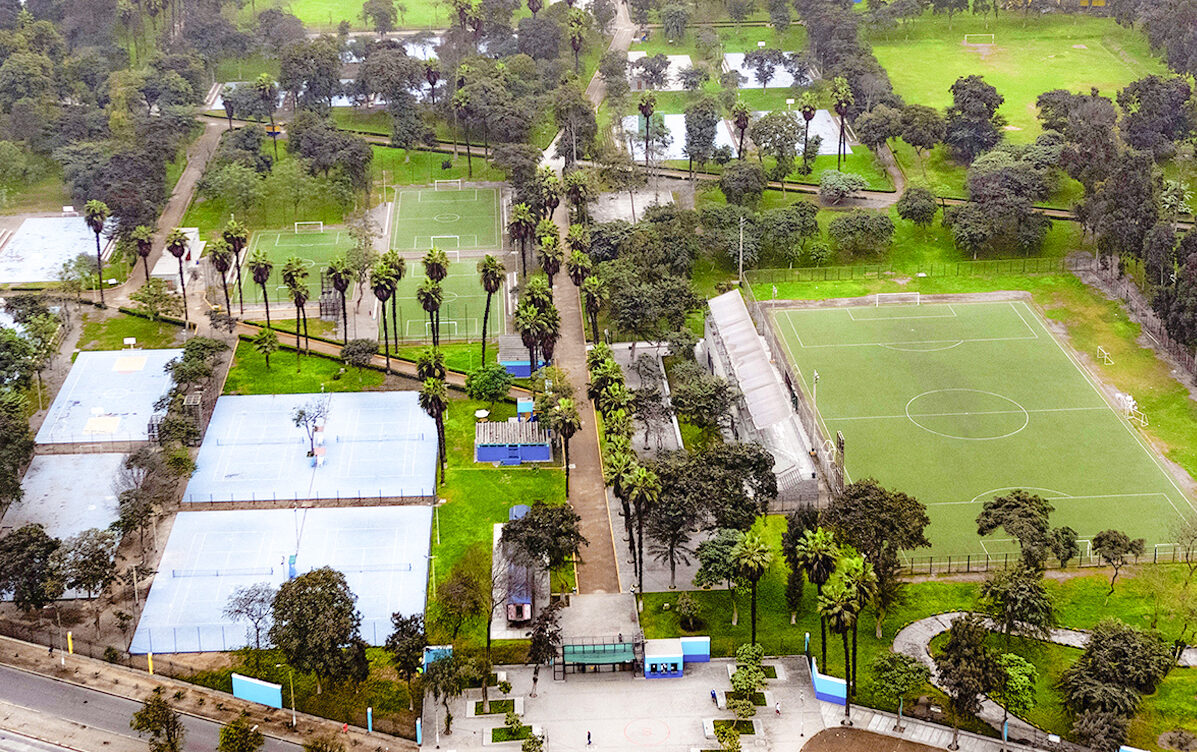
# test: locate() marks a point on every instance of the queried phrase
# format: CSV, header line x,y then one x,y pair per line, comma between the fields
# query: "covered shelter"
x,y
511,442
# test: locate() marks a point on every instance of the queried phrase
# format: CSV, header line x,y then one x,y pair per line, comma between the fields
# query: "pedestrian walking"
x,y
587,738
714,699
777,707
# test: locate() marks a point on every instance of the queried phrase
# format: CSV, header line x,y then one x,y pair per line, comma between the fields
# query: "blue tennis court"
x,y
371,445
382,551
108,396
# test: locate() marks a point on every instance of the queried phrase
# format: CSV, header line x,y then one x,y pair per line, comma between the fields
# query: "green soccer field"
x,y
1029,56
956,403
315,249
461,309
465,219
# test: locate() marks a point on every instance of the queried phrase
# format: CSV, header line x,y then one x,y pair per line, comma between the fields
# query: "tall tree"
x,y
221,256
544,640
1023,516
881,523
398,268
434,400
383,284
752,557
816,553
565,421
95,214
27,568
239,735
966,669
260,268
490,274
843,99
340,276
88,563
177,244
716,565
237,237
315,621
1018,602
973,125
143,240
896,676
253,604
430,295
405,645
520,228
837,609
644,491
1116,548
295,278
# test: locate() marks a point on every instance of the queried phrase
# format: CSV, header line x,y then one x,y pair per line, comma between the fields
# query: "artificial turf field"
x,y
315,249
466,219
461,308
956,403
1030,55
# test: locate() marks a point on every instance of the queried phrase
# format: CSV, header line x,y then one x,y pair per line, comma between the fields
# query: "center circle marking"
x,y
1012,407
447,218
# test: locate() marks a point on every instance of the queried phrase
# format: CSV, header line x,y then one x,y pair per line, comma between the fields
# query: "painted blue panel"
x,y
696,649
434,653
828,688
256,690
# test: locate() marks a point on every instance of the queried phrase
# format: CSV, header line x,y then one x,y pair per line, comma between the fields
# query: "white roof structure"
x,y
743,355
782,79
676,124
166,268
823,125
672,81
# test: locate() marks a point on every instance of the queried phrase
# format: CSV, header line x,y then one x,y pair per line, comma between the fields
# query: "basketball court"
x,y
109,395
51,496
448,216
382,551
373,445
310,243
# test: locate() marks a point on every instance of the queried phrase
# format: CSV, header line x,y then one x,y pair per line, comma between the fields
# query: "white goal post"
x,y
309,227
978,38
896,298
1104,356
447,185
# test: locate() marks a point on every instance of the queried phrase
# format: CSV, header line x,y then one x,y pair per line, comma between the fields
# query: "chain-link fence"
x,y
979,268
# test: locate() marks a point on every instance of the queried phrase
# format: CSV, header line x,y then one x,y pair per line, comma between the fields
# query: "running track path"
x,y
597,572
915,639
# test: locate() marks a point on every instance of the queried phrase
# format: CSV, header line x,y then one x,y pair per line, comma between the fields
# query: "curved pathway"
x,y
915,638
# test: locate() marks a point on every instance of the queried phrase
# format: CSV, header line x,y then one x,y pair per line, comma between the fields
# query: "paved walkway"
x,y
915,640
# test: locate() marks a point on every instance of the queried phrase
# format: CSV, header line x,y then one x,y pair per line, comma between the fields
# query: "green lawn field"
x,y
452,220
461,309
315,249
981,399
1029,56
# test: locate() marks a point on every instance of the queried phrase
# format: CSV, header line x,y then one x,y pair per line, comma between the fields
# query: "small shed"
x,y
663,659
166,268
511,442
513,356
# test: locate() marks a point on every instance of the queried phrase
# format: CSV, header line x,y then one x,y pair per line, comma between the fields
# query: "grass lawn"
x,y
102,332
461,312
504,734
497,707
246,68
249,374
731,39
1031,55
459,356
45,194
345,702
476,497
861,162
401,167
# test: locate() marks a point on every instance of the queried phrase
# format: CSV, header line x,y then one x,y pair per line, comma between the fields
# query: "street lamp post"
x,y
291,679
814,390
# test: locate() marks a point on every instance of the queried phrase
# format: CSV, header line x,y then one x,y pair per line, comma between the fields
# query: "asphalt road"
x,y
97,710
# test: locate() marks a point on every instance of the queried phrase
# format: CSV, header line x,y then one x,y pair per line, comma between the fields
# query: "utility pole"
x,y
740,279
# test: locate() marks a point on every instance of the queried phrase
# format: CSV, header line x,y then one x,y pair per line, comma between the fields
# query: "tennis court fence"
x,y
979,268
358,499
1160,553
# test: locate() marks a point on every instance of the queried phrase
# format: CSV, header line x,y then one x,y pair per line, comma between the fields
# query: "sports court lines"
x,y
905,416
457,219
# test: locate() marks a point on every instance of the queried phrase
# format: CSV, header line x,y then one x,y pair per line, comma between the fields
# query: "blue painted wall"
x,y
256,690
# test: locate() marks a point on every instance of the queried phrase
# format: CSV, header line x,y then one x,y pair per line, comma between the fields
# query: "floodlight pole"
x,y
291,678
814,390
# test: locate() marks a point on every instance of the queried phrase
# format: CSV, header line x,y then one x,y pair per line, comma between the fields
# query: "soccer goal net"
x,y
308,227
447,185
1104,356
978,38
897,298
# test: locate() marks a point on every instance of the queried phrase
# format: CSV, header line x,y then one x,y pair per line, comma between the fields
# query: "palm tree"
x,y
550,330
432,74
436,268
430,364
816,553
861,580
383,285
578,266
808,106
741,116
490,272
594,294
461,108
841,94
266,344
295,277
143,238
551,256
398,266
176,243
528,321
564,419
752,557
260,268
95,214
550,191
644,490
648,105
430,296
577,237
618,461
268,94
577,35
237,237
837,609
221,257
341,276
434,400
520,229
